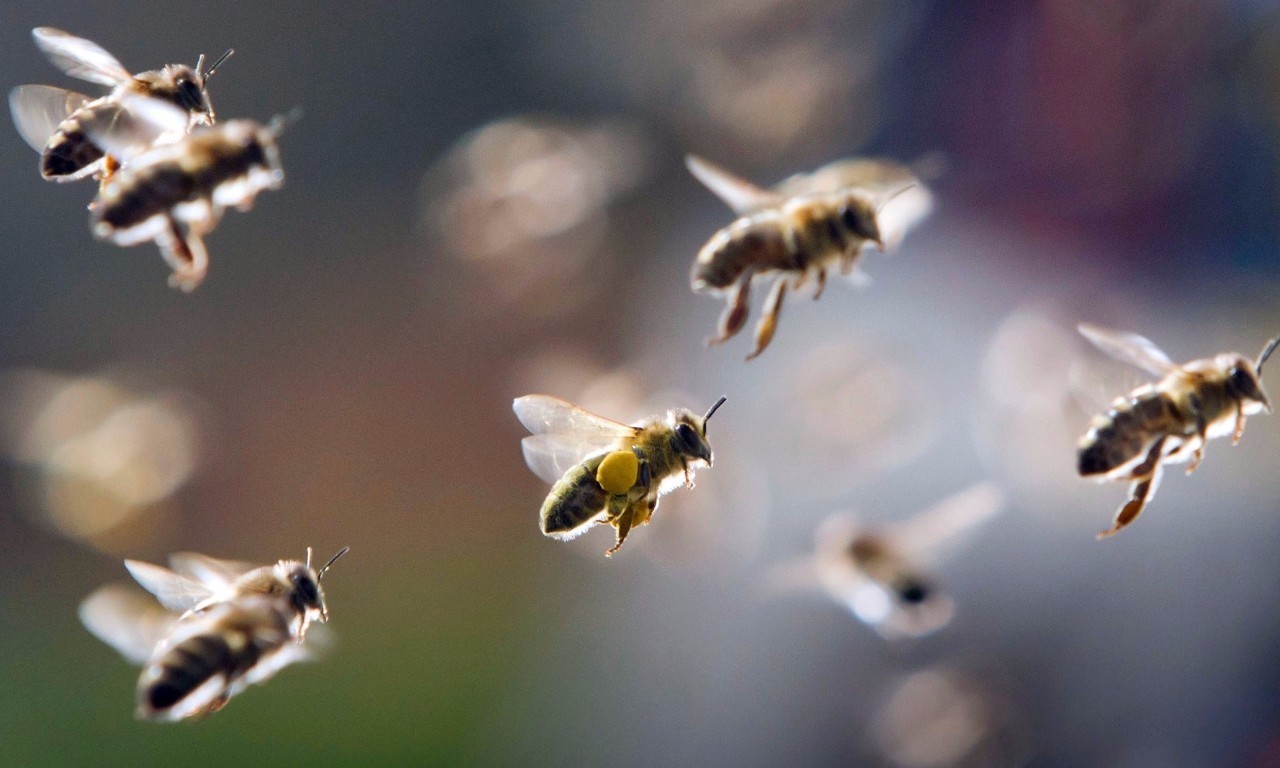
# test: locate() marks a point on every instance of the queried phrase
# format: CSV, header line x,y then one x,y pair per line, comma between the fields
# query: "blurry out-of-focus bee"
x,y
225,626
175,193
605,471
1169,421
807,226
51,119
883,574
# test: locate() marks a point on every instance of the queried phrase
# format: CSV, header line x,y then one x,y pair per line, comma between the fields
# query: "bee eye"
x,y
306,589
190,95
849,217
687,435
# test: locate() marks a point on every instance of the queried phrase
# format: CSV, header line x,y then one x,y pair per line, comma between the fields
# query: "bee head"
x,y
690,433
305,593
1246,375
858,216
1243,381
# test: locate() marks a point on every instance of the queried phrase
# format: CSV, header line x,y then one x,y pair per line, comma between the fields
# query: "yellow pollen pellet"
x,y
618,471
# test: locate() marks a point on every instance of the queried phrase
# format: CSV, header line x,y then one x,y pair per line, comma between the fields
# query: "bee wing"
x,y
80,58
137,125
126,620
739,194
863,173
38,110
945,524
543,415
211,572
550,456
1128,348
177,593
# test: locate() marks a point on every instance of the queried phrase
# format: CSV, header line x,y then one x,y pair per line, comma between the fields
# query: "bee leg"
x,y
822,283
185,253
1239,433
632,516
848,260
1147,479
109,167
735,312
1202,430
769,323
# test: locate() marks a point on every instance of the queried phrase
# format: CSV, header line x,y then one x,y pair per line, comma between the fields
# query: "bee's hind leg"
x,y
769,322
634,515
736,310
1146,480
186,255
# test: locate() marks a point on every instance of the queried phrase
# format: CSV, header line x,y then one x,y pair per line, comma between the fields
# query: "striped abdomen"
x,y
211,656
575,499
1124,433
69,151
195,169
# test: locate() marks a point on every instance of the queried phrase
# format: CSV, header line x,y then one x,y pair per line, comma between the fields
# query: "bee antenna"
x,y
208,73
1266,352
332,560
712,410
893,195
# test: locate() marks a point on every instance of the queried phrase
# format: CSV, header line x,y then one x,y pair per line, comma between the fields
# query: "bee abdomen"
x,y
145,193
745,244
212,655
185,668
68,151
1123,434
574,500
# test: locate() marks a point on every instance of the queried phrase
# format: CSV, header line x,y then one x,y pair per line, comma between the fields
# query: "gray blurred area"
x,y
489,199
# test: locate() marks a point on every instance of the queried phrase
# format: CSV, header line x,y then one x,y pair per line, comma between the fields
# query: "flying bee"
x,y
604,471
802,229
225,626
1169,421
174,194
883,574
50,119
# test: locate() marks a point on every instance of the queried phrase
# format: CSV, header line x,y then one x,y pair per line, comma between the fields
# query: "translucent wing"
x,y
139,124
38,110
945,524
872,174
125,619
1128,348
80,58
543,415
550,456
739,194
210,572
177,593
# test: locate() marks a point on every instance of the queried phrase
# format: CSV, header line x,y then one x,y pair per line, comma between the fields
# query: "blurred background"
x,y
489,199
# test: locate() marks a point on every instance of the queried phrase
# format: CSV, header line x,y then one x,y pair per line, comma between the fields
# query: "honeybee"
x,y
1169,421
802,229
50,119
605,471
175,193
225,626
882,574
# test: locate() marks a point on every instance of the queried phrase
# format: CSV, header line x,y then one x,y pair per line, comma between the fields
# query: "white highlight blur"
x,y
101,452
